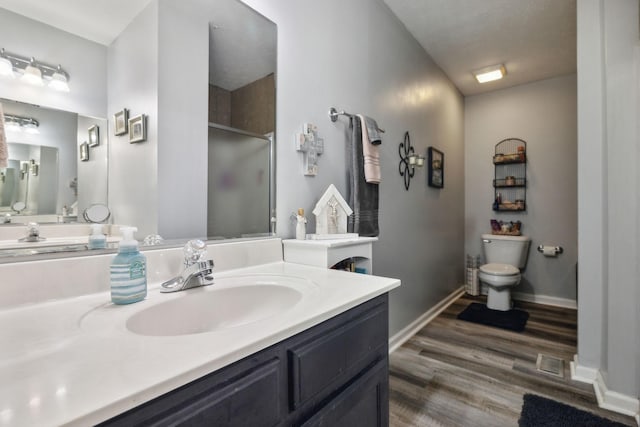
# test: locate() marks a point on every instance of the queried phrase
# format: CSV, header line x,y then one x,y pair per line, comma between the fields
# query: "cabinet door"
x,y
363,403
250,399
327,361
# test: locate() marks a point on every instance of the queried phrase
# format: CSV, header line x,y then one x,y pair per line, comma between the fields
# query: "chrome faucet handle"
x,y
194,251
33,233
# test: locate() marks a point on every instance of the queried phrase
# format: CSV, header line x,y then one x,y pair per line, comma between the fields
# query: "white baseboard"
x,y
410,330
607,399
545,299
582,373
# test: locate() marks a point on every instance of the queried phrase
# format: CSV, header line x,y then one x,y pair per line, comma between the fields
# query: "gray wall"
x,y
542,113
357,56
608,192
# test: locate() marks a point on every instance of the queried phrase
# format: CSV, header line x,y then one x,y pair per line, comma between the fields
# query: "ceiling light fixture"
x,y
33,72
489,74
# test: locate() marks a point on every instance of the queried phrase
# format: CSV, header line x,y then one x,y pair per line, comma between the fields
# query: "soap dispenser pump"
x,y
97,240
128,270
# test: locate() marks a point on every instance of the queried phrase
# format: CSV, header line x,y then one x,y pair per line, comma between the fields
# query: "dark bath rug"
x,y
513,319
539,411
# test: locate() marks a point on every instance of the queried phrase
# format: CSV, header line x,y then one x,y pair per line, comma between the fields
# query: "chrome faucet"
x,y
33,233
197,272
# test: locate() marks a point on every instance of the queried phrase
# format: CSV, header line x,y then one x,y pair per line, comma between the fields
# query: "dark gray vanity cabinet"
x,y
333,374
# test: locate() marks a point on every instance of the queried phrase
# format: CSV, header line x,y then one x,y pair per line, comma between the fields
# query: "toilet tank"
x,y
506,249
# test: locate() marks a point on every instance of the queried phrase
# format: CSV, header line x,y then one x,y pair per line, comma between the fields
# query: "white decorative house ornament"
x,y
331,214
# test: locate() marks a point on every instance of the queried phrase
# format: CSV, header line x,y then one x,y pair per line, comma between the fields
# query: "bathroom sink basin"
x,y
230,302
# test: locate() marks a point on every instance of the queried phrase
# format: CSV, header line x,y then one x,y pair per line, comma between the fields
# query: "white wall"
x,y
85,61
608,110
357,56
542,113
133,84
183,111
93,174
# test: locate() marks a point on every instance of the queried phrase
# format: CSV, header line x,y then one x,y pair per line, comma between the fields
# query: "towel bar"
x,y
333,115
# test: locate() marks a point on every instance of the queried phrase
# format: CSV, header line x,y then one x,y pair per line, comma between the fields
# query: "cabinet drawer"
x,y
330,360
251,399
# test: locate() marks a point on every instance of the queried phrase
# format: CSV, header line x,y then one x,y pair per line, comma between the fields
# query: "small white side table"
x,y
327,253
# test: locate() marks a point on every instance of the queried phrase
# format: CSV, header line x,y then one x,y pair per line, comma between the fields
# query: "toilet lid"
x,y
499,269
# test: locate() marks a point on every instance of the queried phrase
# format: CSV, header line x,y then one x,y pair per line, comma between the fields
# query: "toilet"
x,y
504,257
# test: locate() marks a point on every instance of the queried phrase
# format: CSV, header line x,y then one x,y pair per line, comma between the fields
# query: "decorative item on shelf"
x,y
120,122
331,213
408,160
94,136
84,151
521,153
33,72
510,181
138,128
436,168
506,228
311,147
301,225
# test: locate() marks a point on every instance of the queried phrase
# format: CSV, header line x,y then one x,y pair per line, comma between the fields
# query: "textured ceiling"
x,y
534,39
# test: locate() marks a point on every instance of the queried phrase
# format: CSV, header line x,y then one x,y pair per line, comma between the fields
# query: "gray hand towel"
x,y
363,197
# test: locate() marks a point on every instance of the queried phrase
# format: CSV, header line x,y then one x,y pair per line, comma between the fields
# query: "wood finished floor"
x,y
456,373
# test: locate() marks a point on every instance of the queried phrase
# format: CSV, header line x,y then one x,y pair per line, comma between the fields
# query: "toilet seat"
x,y
497,269
499,275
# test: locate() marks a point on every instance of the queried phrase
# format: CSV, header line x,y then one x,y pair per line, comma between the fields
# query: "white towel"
x,y
371,155
4,150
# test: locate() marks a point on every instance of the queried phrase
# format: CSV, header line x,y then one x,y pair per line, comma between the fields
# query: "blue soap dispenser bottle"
x,y
128,270
97,240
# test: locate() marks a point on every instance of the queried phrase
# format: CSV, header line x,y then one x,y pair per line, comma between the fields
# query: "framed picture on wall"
x,y
138,128
436,168
120,122
84,151
94,136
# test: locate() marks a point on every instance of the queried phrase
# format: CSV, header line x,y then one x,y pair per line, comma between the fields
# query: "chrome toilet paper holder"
x,y
556,249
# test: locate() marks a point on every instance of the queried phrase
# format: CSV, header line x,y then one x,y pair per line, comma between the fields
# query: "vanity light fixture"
x,y
489,74
33,72
18,123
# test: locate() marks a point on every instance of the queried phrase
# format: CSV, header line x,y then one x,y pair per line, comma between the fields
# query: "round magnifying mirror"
x,y
96,213
18,207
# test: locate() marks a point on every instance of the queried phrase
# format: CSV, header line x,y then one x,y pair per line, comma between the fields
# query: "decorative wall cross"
x,y
311,147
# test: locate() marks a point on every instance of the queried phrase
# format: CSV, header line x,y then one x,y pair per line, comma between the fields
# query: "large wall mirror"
x,y
234,74
45,171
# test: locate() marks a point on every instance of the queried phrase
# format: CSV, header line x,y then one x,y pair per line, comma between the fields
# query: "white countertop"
x,y
63,364
330,243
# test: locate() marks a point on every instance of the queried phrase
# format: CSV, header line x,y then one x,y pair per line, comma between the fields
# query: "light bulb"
x,y
32,74
6,67
59,81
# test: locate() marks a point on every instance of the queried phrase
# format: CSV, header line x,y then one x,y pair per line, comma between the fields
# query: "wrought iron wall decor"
x,y
408,160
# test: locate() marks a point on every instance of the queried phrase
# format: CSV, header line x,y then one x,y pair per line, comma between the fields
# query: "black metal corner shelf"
x,y
510,176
